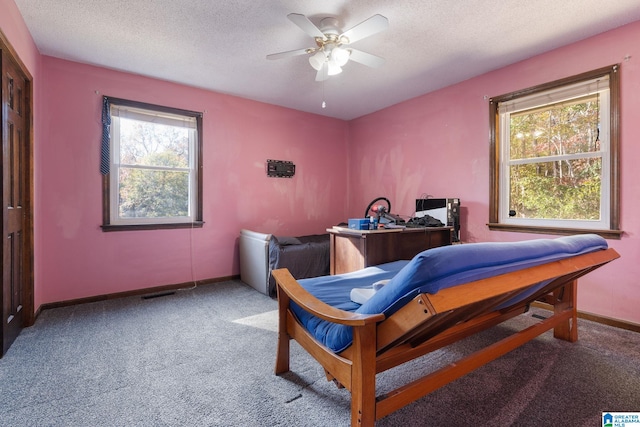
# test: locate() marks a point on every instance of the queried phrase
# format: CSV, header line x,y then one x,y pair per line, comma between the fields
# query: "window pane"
x,y
152,144
146,193
558,129
568,189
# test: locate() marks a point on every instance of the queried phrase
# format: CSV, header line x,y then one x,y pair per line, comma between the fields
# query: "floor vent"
x,y
159,294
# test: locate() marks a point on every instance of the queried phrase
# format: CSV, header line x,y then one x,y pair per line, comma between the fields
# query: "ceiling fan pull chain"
x,y
324,104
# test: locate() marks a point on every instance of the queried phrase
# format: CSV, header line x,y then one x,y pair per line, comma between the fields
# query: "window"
x,y
554,162
152,179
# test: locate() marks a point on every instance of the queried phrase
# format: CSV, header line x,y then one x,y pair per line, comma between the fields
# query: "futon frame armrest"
x,y
287,284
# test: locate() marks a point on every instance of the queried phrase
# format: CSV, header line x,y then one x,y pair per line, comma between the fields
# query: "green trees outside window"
x,y
154,170
568,185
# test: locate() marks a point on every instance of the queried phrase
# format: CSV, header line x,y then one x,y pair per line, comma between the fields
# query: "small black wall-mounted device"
x,y
280,168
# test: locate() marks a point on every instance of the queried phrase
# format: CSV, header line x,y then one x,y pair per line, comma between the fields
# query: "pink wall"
x,y
79,260
438,144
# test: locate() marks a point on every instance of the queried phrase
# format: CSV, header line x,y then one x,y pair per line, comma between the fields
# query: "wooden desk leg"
x,y
565,298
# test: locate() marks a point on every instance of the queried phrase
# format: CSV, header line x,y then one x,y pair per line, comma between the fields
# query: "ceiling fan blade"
x,y
323,73
365,58
366,28
289,53
305,25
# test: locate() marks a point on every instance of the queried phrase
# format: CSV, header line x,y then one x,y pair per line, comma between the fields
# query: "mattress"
x,y
428,272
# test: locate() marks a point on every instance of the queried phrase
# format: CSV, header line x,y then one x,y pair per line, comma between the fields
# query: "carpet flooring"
x,y
205,357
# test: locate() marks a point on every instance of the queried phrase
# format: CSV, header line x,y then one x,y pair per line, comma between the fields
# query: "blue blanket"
x,y
428,272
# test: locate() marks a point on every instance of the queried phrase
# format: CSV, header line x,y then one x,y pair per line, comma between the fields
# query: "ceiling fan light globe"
x,y
340,56
317,60
333,68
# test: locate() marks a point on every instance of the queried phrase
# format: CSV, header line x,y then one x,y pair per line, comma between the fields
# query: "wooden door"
x,y
16,182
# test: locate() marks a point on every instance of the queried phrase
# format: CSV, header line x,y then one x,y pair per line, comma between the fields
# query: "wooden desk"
x,y
353,250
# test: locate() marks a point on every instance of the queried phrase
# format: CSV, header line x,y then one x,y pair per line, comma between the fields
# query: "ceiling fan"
x,y
333,50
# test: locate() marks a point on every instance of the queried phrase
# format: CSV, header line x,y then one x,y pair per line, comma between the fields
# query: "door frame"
x,y
29,315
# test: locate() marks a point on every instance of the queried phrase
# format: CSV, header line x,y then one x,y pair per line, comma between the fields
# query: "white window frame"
x,y
605,83
112,220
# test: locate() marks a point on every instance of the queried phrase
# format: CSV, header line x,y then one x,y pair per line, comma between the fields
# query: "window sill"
x,y
131,227
607,234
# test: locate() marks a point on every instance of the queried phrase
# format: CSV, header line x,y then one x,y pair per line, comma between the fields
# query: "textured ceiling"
x,y
221,45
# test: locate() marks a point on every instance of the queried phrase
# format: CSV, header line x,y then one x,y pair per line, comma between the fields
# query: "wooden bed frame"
x,y
427,323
